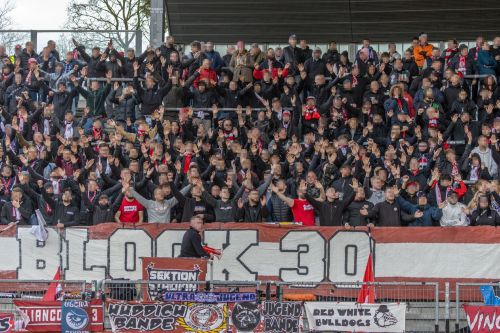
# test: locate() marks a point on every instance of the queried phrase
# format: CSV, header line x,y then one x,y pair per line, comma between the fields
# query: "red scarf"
x,y
311,113
187,162
97,133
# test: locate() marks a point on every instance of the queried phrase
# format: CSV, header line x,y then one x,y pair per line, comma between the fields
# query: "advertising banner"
x,y
483,319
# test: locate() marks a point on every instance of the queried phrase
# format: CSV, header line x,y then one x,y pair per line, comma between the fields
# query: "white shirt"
x,y
453,216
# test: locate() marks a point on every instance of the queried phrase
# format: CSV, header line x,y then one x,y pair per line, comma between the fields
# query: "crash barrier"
x,y
421,301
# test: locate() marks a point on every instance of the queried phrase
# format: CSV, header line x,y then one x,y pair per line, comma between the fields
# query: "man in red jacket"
x,y
206,73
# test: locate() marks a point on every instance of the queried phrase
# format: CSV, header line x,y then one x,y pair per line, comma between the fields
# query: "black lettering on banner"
x,y
40,264
4,324
348,250
134,252
146,317
282,317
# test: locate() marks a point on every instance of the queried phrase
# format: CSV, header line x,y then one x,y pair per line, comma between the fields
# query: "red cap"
x,y
32,61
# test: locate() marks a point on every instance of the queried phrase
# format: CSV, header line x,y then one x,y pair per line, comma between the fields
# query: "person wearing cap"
x,y
242,64
422,50
453,212
315,65
310,116
293,55
257,55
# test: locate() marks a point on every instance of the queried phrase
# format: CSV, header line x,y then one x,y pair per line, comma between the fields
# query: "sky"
x,y
39,15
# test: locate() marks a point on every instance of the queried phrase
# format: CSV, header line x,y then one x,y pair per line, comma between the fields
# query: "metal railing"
x,y
467,293
11,290
430,307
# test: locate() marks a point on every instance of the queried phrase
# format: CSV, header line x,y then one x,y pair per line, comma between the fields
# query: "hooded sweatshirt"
x,y
487,159
453,216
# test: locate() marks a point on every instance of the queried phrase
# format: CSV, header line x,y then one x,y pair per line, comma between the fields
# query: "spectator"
x,y
454,212
486,64
130,209
242,64
330,208
191,241
422,50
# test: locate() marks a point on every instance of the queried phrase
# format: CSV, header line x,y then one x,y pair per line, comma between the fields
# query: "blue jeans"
x,y
33,220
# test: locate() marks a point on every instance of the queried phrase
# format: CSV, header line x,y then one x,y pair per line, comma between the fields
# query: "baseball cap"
x,y
286,112
310,97
32,61
293,36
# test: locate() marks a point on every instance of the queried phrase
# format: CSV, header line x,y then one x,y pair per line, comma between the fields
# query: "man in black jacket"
x,y
92,60
252,210
191,242
292,55
152,95
66,213
17,211
388,213
352,216
331,210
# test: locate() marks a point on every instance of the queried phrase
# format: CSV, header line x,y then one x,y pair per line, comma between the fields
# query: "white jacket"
x,y
487,159
453,216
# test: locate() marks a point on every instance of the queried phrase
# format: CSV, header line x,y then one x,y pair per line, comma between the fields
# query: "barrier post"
x,y
457,307
436,309
447,306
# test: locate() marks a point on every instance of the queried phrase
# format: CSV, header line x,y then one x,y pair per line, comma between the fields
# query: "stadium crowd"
x,y
255,135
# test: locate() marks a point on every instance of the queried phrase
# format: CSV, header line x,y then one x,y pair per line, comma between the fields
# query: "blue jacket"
x,y
431,213
216,60
486,64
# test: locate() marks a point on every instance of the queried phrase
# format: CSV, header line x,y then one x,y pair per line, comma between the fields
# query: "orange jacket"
x,y
420,59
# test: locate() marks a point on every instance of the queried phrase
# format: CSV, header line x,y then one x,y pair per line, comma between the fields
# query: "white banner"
x,y
355,317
